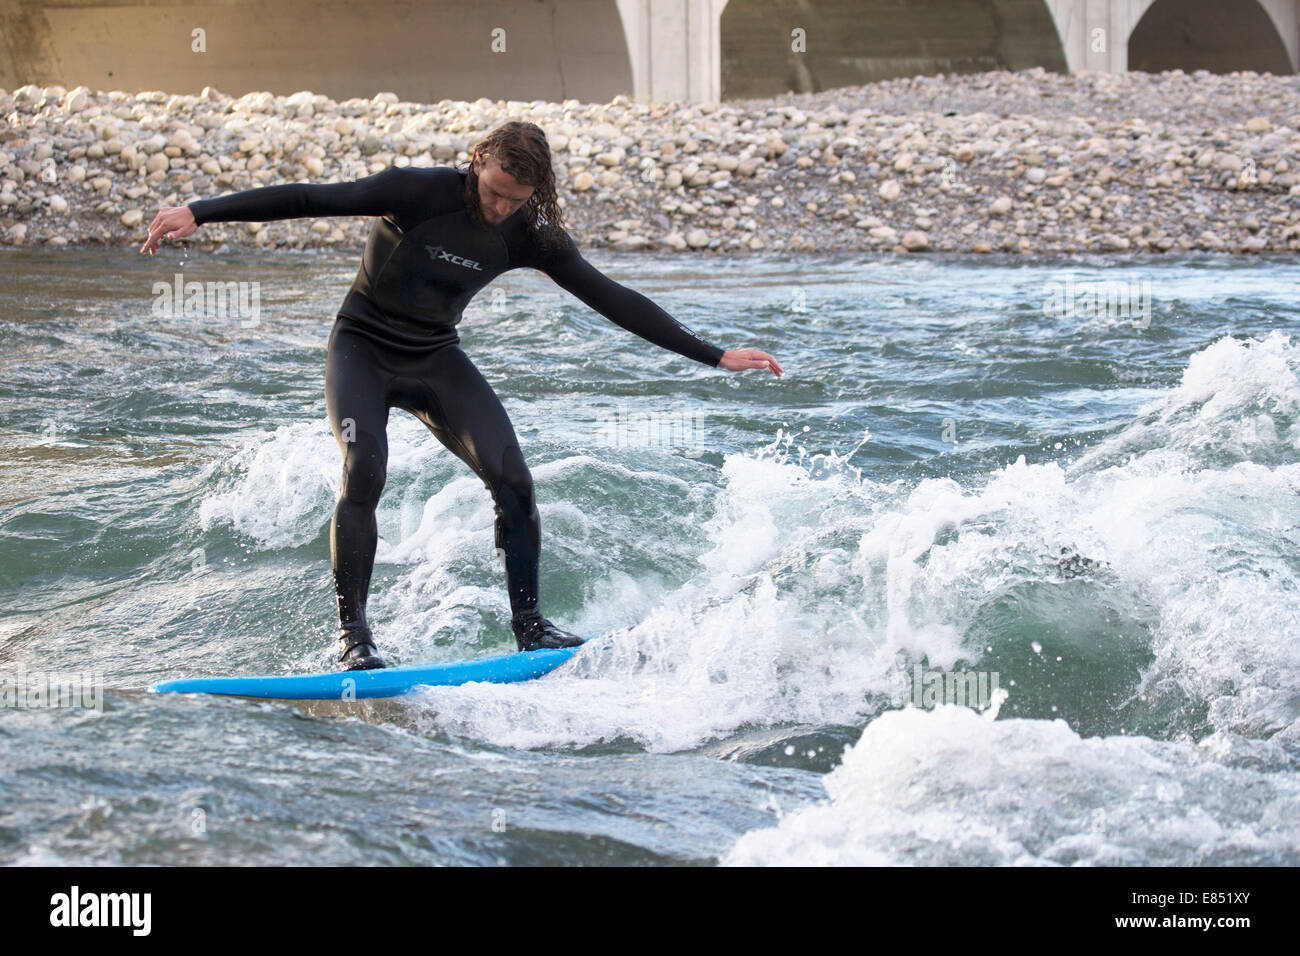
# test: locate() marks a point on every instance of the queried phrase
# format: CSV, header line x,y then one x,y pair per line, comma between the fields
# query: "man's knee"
x,y
365,469
515,479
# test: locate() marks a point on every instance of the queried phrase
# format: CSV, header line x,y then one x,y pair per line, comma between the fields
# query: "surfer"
x,y
442,234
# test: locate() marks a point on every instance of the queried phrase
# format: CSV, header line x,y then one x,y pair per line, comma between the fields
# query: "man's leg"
x,y
355,400
462,410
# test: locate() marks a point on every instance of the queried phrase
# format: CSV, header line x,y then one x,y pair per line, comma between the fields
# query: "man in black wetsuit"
x,y
441,235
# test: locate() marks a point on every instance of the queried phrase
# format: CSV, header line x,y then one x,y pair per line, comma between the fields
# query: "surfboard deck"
x,y
381,682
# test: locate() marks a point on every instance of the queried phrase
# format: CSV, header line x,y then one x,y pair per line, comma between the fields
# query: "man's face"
x,y
499,193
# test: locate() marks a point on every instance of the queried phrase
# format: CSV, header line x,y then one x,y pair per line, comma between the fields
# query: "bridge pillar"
x,y
675,48
1285,15
1094,33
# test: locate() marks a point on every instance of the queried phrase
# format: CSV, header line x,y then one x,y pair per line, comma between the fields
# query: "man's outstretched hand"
x,y
737,360
172,222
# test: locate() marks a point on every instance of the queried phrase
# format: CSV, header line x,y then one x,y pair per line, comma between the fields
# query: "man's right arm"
x,y
377,195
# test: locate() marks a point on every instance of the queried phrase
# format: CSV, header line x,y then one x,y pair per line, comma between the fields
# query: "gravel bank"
x,y
1029,162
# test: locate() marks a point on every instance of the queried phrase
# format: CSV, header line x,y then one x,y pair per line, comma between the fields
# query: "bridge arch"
x,y
849,42
1215,35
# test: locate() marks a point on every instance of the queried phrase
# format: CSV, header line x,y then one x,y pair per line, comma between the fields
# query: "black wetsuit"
x,y
394,343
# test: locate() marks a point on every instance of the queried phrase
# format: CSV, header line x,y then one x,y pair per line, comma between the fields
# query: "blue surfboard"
x,y
381,682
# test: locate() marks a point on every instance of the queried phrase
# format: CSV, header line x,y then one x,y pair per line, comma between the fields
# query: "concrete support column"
x,y
1094,33
675,48
1285,15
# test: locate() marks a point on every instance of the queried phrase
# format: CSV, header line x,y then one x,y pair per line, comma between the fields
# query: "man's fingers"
x,y
157,229
149,237
770,362
757,358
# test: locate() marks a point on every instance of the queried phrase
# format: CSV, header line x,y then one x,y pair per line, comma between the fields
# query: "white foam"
x,y
280,488
950,788
812,581
1237,400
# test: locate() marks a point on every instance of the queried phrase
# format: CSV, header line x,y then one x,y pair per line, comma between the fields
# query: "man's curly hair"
x,y
524,153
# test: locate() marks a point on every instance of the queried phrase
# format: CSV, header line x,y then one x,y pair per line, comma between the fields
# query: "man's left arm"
x,y
625,307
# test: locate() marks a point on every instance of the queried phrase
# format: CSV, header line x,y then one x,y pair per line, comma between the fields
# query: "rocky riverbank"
x,y
1029,162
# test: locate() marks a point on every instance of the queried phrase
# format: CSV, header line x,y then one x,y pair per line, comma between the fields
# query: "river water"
x,y
1074,484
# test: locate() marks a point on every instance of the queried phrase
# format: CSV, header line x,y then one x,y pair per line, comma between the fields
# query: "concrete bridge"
x,y
593,50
